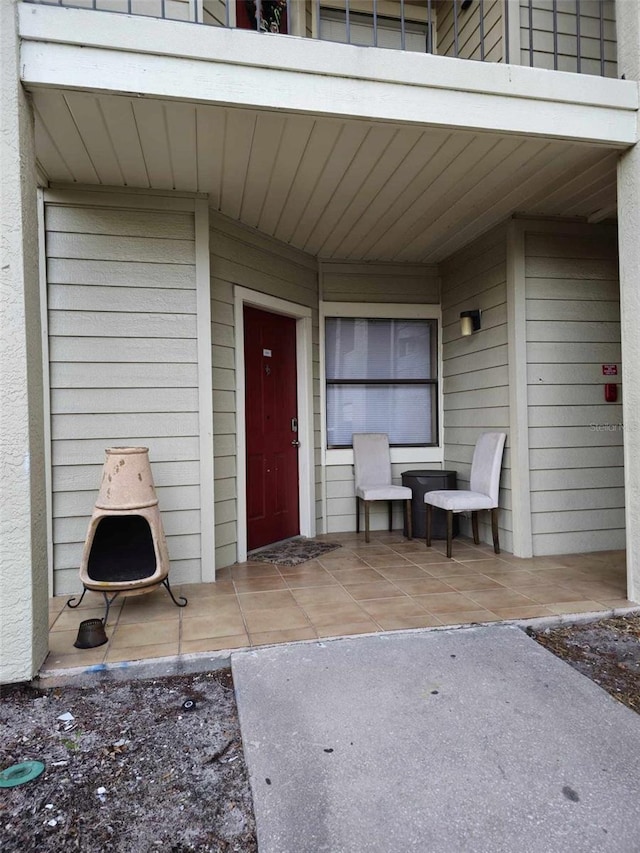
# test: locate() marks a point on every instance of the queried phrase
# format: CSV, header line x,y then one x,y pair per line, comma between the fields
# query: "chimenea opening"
x,y
122,550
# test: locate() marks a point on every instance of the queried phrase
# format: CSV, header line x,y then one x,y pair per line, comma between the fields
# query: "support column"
x,y
628,33
23,541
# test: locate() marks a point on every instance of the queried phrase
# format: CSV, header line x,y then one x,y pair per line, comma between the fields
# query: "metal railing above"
x,y
564,35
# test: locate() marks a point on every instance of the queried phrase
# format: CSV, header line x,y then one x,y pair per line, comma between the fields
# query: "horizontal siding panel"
x,y
223,380
64,297
585,540
563,395
471,362
544,502
225,467
582,309
226,556
122,222
564,374
221,312
236,273
576,268
119,273
563,522
225,445
564,458
132,249
142,350
225,511
118,375
81,451
124,426
123,400
226,489
485,398
480,419
478,379
224,423
571,289
110,325
600,246
586,417
226,533
576,436
584,333
87,477
81,503
223,357
603,353
576,478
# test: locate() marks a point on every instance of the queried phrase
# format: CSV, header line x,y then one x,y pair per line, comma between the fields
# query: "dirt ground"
x,y
133,770
607,652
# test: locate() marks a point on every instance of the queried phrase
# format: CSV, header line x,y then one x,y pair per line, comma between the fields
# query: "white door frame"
x,y
306,470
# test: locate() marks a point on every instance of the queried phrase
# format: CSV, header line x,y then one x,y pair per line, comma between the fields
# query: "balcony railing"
x,y
564,35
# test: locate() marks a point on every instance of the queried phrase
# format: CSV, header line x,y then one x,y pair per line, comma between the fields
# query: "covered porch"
x,y
170,202
391,584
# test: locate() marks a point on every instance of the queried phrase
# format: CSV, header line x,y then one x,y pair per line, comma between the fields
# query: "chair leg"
x,y
407,505
494,529
390,516
367,505
357,515
474,527
449,532
427,509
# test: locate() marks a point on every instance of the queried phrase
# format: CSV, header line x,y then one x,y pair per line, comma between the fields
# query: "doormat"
x,y
293,552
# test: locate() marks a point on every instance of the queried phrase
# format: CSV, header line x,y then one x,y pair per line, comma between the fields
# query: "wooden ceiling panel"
x,y
335,188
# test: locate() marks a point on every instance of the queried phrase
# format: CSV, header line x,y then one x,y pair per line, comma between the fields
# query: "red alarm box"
x,y
611,392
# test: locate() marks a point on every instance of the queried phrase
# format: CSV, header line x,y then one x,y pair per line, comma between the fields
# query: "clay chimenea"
x,y
125,550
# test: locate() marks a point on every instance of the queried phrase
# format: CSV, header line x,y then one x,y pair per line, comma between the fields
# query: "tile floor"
x,y
389,584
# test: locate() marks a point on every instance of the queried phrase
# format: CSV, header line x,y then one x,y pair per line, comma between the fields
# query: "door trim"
x,y
306,468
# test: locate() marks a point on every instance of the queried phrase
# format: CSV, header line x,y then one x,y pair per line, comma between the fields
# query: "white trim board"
x,y
205,394
306,470
46,384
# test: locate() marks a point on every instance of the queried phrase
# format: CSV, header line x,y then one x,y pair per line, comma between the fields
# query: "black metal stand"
x,y
109,601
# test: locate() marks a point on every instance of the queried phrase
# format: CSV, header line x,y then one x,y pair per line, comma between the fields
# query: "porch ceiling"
x,y
333,187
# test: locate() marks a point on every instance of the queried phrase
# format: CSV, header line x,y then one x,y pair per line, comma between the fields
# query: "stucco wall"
x,y
23,552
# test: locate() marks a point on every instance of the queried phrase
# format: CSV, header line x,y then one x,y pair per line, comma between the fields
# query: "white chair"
x,y
483,494
372,464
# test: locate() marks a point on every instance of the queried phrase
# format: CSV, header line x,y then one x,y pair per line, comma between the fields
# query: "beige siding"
x,y
214,12
575,437
341,500
538,16
399,283
475,369
470,33
243,257
123,367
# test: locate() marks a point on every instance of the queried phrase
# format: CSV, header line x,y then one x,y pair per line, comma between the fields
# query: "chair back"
x,y
487,461
371,459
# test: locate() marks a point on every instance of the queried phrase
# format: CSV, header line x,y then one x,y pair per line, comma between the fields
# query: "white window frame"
x,y
382,311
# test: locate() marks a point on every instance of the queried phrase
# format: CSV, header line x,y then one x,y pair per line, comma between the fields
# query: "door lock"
x,y
295,443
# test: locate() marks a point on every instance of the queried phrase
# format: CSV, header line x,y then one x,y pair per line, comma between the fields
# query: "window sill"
x,y
401,455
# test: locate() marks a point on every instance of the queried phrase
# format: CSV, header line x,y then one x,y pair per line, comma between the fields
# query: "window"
x,y
381,377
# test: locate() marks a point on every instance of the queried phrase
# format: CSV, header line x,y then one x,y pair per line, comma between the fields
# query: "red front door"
x,y
271,412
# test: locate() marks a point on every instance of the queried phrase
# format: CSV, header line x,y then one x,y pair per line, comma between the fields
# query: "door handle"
x,y
295,443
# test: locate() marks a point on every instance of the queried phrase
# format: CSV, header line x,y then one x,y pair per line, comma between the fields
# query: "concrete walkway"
x,y
469,740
